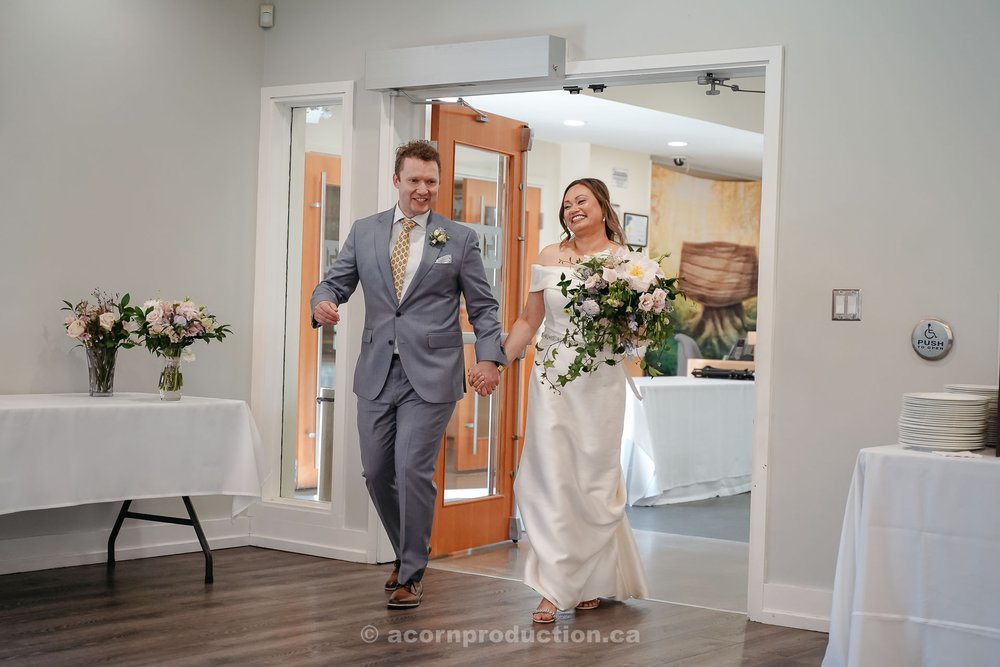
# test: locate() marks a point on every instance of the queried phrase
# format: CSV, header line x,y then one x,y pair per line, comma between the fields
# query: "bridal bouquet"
x,y
618,302
167,327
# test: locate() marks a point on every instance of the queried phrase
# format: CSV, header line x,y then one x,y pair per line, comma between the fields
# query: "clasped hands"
x,y
484,377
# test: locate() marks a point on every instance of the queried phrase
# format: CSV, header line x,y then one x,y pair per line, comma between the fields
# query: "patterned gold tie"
x,y
400,253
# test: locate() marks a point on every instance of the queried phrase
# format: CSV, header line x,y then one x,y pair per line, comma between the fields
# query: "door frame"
x,y
397,124
303,526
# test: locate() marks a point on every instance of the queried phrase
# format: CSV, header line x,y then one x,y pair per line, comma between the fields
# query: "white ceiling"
x,y
713,148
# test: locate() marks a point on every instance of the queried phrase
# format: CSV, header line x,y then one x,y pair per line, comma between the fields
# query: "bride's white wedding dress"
x,y
569,486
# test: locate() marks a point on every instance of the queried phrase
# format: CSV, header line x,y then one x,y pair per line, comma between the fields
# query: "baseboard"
x,y
136,540
142,539
308,532
310,548
795,607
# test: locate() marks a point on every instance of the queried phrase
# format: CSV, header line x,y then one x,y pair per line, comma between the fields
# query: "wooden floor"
x,y
275,608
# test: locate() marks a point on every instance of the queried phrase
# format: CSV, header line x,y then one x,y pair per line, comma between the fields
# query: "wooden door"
x,y
480,442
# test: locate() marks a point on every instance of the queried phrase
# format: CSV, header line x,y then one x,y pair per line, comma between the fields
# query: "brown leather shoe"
x,y
392,583
406,596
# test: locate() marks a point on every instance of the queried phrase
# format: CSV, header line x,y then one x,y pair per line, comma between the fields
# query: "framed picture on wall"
x,y
636,229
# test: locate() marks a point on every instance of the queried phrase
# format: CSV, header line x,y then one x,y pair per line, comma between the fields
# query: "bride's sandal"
x,y
546,612
589,604
543,616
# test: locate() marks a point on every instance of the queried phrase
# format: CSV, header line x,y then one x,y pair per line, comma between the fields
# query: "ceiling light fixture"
x,y
677,144
709,79
574,123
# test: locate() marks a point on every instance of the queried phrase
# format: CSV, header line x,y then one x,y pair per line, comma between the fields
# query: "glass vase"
x,y
101,368
171,378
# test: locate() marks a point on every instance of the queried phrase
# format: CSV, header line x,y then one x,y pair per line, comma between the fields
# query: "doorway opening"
x,y
694,541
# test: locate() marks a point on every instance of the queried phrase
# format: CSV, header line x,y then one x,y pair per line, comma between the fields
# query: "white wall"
x,y
543,172
885,185
128,161
633,195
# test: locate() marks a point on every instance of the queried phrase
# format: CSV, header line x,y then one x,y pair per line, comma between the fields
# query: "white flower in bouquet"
x,y
590,307
639,271
75,328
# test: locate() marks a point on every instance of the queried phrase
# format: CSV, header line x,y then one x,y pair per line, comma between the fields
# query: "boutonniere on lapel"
x,y
438,237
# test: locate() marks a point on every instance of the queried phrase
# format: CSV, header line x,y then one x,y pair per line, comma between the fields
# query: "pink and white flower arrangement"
x,y
167,327
107,322
617,303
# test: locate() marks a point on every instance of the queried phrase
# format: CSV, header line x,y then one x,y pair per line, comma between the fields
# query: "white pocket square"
x,y
443,259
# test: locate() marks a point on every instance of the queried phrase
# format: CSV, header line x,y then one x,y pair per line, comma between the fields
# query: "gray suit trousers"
x,y
400,440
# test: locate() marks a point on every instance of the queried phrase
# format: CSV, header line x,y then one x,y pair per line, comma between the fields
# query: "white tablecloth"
x,y
688,439
71,449
918,572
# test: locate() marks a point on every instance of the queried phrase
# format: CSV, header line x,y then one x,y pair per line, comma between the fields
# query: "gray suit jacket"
x,y
425,324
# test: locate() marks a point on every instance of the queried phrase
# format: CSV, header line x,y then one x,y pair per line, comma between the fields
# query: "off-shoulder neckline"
x,y
570,265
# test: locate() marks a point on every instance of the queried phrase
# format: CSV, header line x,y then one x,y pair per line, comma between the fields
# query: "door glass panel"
x,y
310,354
471,439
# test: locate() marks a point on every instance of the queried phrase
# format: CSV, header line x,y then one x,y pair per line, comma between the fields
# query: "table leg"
x,y
192,521
201,539
114,532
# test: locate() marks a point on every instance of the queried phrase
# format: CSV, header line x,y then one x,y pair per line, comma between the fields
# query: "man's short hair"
x,y
421,149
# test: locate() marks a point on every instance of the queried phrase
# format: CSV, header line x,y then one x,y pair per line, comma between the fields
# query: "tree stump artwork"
x,y
720,277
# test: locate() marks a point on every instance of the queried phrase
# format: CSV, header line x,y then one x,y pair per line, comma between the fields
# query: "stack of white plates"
x,y
947,421
990,392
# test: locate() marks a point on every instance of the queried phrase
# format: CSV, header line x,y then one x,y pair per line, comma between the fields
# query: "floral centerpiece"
x,y
102,327
167,328
618,303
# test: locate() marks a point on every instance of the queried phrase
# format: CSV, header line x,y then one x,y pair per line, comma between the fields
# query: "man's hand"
x,y
484,377
326,313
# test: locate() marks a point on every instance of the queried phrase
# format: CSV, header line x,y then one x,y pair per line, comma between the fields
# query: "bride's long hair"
x,y
612,226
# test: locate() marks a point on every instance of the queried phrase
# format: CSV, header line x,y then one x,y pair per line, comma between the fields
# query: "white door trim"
x,y
676,67
295,525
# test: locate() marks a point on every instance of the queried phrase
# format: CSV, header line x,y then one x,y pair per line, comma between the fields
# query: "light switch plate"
x,y
846,305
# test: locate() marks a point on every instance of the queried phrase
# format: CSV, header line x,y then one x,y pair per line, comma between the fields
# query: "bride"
x,y
569,486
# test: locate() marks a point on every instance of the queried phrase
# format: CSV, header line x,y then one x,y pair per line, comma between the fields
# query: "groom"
x,y
414,266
